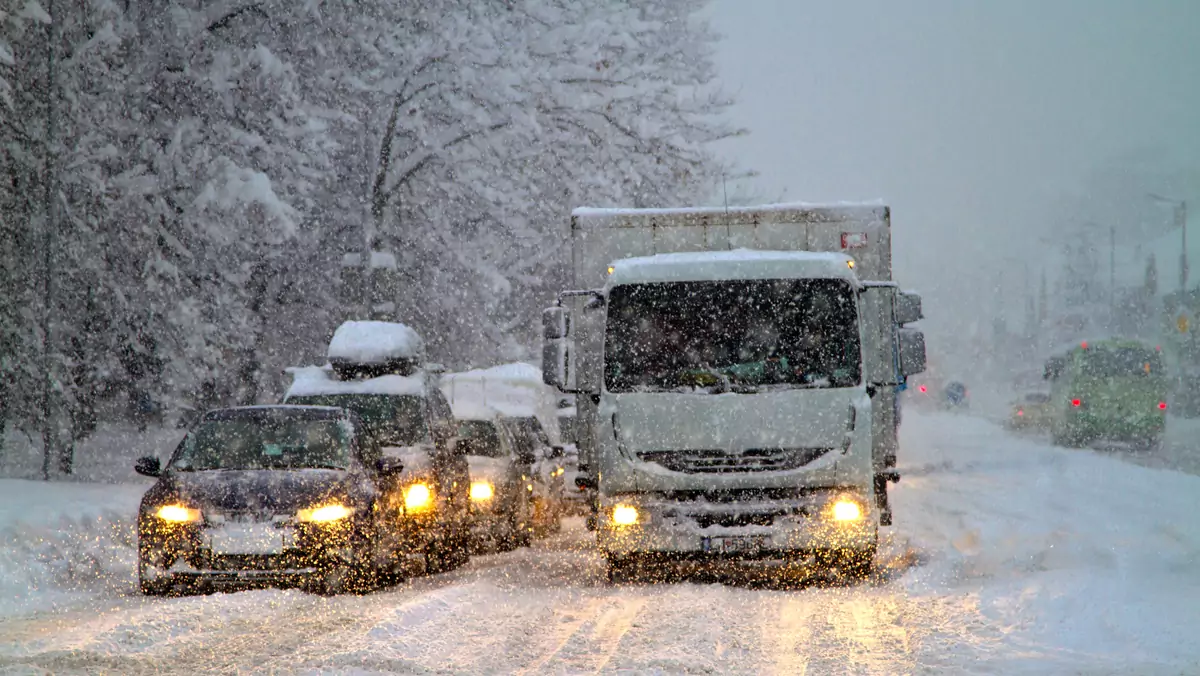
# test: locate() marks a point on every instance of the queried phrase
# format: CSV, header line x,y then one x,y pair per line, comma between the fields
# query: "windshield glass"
x,y
282,443
731,335
479,437
1121,362
392,420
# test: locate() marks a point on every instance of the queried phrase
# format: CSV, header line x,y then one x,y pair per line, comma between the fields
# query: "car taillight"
x,y
1076,403
922,389
1020,411
1162,405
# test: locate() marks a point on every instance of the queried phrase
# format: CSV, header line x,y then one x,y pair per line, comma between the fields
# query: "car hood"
x,y
258,492
495,470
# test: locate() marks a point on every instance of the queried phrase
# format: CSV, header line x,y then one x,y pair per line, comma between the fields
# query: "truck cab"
x,y
734,402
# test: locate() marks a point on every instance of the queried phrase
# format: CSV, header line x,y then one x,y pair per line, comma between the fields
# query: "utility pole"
x,y
49,441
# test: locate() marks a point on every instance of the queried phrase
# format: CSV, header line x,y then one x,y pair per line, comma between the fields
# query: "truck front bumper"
x,y
755,528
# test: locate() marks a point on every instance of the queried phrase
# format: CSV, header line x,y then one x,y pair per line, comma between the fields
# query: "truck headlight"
x,y
846,510
177,514
417,498
324,514
482,491
625,515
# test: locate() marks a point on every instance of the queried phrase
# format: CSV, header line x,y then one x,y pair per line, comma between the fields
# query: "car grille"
x,y
753,460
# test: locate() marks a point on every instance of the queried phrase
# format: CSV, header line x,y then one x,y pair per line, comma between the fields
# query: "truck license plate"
x,y
734,543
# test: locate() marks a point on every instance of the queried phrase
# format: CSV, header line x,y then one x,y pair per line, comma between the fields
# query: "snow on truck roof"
x,y
310,381
816,211
372,342
736,264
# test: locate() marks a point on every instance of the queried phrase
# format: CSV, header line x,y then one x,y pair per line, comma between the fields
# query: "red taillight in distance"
x,y
1077,403
1020,411
922,389
1162,405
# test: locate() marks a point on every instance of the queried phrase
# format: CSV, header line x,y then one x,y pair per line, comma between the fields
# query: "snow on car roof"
x,y
318,380
371,342
735,264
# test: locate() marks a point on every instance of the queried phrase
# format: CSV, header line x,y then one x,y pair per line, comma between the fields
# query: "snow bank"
x,y
373,342
310,381
105,456
61,540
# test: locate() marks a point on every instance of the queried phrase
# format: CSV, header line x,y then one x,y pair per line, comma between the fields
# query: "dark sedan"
x,y
269,494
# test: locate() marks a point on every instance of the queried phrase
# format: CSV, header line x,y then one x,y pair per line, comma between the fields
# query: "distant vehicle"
x,y
274,494
501,481
955,396
549,495
377,372
1110,389
1031,412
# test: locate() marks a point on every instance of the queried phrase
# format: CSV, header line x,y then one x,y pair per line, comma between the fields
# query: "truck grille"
x,y
753,460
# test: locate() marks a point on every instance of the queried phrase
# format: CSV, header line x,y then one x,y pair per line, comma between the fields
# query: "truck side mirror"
x,y
908,308
912,352
1054,368
555,356
876,305
555,322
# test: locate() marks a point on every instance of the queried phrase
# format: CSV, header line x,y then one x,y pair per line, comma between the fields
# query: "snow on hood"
x,y
372,342
319,380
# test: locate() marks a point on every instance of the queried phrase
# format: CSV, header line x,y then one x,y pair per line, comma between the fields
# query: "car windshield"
x,y
731,335
479,437
1121,362
265,443
392,420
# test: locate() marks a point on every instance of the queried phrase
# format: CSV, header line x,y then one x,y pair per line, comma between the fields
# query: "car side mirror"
x,y
389,467
554,452
148,466
584,483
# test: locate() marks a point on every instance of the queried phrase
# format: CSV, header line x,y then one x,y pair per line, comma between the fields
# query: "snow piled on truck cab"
x,y
319,380
596,213
375,342
735,264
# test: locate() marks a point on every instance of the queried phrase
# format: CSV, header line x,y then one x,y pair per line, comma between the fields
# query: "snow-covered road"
x,y
1008,557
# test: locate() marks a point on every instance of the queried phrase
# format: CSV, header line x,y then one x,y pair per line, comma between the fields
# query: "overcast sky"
x,y
976,120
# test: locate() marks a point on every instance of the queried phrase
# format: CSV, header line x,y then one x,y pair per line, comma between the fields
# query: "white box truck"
x,y
736,373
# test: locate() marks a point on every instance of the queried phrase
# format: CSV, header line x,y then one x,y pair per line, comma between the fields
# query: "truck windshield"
x,y
742,335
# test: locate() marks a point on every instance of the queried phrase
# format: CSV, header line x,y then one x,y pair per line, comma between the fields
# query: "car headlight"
x,y
177,514
482,490
417,498
625,515
324,514
846,510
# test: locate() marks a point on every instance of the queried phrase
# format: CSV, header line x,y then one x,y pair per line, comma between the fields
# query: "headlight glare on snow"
x,y
482,490
624,515
846,510
177,514
417,498
324,514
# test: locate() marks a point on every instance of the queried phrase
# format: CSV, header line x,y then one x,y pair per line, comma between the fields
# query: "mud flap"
x,y
881,495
